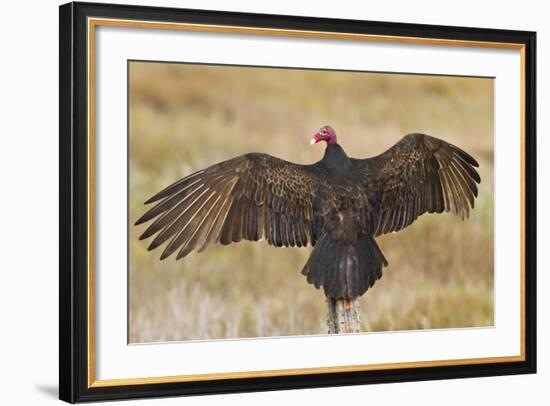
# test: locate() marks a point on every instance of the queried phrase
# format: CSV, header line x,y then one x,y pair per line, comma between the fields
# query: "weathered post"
x,y
343,316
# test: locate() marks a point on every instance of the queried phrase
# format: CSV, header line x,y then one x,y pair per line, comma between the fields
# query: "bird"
x,y
338,205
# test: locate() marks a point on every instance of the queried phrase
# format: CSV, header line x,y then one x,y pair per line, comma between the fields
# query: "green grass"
x,y
184,118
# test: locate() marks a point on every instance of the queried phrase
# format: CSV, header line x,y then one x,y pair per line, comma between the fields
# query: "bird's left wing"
x,y
420,174
252,196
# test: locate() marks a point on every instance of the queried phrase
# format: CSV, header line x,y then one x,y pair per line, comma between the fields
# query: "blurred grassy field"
x,y
186,117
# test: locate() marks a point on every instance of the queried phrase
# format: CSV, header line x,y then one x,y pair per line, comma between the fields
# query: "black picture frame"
x,y
73,284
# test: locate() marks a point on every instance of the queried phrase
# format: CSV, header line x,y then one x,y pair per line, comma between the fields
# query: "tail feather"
x,y
344,271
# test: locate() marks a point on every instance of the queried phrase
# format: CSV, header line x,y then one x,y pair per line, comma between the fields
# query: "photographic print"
x,y
268,202
257,202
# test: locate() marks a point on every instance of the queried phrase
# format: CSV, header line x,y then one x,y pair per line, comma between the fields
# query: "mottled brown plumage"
x,y
338,205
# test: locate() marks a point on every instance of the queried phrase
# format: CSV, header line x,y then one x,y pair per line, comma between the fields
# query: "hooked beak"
x,y
316,138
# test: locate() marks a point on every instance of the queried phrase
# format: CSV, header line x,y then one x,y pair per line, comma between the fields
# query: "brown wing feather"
x,y
249,197
420,174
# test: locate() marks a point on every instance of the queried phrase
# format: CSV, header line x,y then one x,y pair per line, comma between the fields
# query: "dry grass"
x,y
184,118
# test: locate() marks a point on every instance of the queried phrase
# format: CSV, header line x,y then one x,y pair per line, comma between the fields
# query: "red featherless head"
x,y
326,134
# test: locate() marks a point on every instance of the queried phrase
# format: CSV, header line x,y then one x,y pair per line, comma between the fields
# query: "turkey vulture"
x,y
338,205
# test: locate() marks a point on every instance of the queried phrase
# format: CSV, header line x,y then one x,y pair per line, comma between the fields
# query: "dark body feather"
x,y
338,205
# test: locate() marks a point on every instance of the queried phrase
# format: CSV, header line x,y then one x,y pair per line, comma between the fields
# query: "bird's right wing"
x,y
420,174
250,197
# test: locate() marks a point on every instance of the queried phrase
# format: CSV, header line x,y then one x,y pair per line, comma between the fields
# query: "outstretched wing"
x,y
250,197
419,174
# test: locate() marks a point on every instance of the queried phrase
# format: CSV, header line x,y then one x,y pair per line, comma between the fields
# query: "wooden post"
x,y
343,316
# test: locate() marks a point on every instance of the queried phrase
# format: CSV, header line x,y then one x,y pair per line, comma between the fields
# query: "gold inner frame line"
x,y
94,22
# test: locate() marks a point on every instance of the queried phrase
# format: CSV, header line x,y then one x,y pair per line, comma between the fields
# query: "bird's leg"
x,y
343,316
